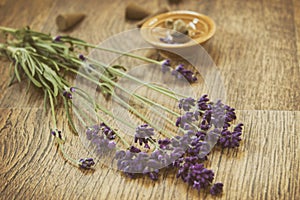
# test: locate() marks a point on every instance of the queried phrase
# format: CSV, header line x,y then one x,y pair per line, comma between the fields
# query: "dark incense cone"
x,y
174,1
66,21
135,12
157,12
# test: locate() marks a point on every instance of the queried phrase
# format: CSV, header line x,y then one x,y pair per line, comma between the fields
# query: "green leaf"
x,y
34,81
46,46
28,85
119,67
31,64
17,72
69,116
53,77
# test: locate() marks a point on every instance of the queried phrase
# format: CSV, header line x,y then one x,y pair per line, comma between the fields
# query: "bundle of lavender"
x,y
200,123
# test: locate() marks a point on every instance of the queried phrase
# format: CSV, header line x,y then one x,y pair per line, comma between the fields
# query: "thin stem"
x,y
117,72
107,124
65,155
142,117
97,106
158,105
52,109
118,52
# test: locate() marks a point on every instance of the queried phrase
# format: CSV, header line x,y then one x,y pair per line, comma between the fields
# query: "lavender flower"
x,y
143,134
86,163
195,174
67,94
81,57
216,189
56,133
72,89
57,38
101,142
133,149
110,134
185,120
164,144
165,66
186,104
203,103
231,139
167,40
180,72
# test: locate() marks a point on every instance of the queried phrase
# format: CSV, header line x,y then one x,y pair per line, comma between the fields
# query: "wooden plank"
x,y
264,167
256,49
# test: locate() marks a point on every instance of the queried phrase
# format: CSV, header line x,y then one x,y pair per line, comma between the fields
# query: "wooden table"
x,y
257,50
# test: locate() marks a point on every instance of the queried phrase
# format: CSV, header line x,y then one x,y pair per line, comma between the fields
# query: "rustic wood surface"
x,y
257,50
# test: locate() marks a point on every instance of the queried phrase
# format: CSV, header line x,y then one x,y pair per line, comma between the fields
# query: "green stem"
x,y
158,105
7,29
118,52
52,109
65,155
107,124
118,73
97,106
142,117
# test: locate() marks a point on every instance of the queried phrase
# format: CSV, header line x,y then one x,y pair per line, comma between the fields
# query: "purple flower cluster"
x,y
204,125
187,103
216,189
195,174
143,134
230,139
86,163
108,132
57,38
57,133
101,137
210,115
81,57
68,94
180,72
165,66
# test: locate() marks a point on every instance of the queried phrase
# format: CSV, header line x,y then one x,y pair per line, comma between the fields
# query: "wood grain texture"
x,y
257,51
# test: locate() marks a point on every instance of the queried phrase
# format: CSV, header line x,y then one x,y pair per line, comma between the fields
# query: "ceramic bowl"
x,y
155,28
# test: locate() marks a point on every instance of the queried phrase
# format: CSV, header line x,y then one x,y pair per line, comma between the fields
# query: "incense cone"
x,y
135,12
174,1
66,21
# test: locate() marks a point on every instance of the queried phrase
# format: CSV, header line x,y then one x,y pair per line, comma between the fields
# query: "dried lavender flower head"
x,y
86,163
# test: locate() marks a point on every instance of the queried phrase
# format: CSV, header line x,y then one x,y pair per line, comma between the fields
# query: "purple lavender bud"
x,y
187,103
179,68
230,139
81,57
143,134
178,121
67,94
163,144
107,131
153,175
111,145
53,133
57,38
165,66
72,89
216,189
86,163
133,149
